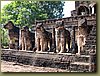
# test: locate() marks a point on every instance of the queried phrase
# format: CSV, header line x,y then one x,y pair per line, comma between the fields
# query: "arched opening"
x,y
92,7
82,10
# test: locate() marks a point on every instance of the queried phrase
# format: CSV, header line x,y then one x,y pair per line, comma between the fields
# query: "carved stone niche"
x,y
82,10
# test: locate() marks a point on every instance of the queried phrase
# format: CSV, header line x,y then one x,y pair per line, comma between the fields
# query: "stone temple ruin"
x,y
81,57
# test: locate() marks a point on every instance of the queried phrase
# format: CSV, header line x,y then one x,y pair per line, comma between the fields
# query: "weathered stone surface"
x,y
72,62
80,67
63,61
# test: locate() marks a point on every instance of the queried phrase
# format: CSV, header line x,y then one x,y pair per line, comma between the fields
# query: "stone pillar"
x,y
63,42
74,33
73,47
53,40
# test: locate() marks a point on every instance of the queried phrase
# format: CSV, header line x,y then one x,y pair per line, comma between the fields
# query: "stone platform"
x,y
72,62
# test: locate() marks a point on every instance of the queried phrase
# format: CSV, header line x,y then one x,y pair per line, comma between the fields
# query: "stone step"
x,y
93,42
94,27
91,38
80,63
79,66
87,48
93,34
82,67
82,58
93,30
87,52
44,59
90,43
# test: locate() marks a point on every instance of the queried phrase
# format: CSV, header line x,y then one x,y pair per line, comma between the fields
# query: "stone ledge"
x,y
44,59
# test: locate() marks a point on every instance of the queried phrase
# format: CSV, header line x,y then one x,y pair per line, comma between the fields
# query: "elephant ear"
x,y
9,25
25,27
39,24
59,23
42,29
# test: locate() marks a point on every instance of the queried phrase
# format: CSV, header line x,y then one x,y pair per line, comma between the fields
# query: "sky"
x,y
68,7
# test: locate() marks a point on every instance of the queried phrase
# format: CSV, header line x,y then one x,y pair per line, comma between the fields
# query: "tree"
x,y
24,13
4,37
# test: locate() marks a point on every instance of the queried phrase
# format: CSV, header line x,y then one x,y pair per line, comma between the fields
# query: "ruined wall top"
x,y
68,20
73,20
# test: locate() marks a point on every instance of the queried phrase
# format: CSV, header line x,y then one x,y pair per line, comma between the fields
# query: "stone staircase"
x,y
86,62
90,41
82,63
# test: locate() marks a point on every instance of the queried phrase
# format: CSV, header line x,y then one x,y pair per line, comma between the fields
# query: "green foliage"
x,y
24,13
4,37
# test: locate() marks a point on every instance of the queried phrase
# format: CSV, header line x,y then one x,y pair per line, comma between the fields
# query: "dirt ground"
x,y
13,67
